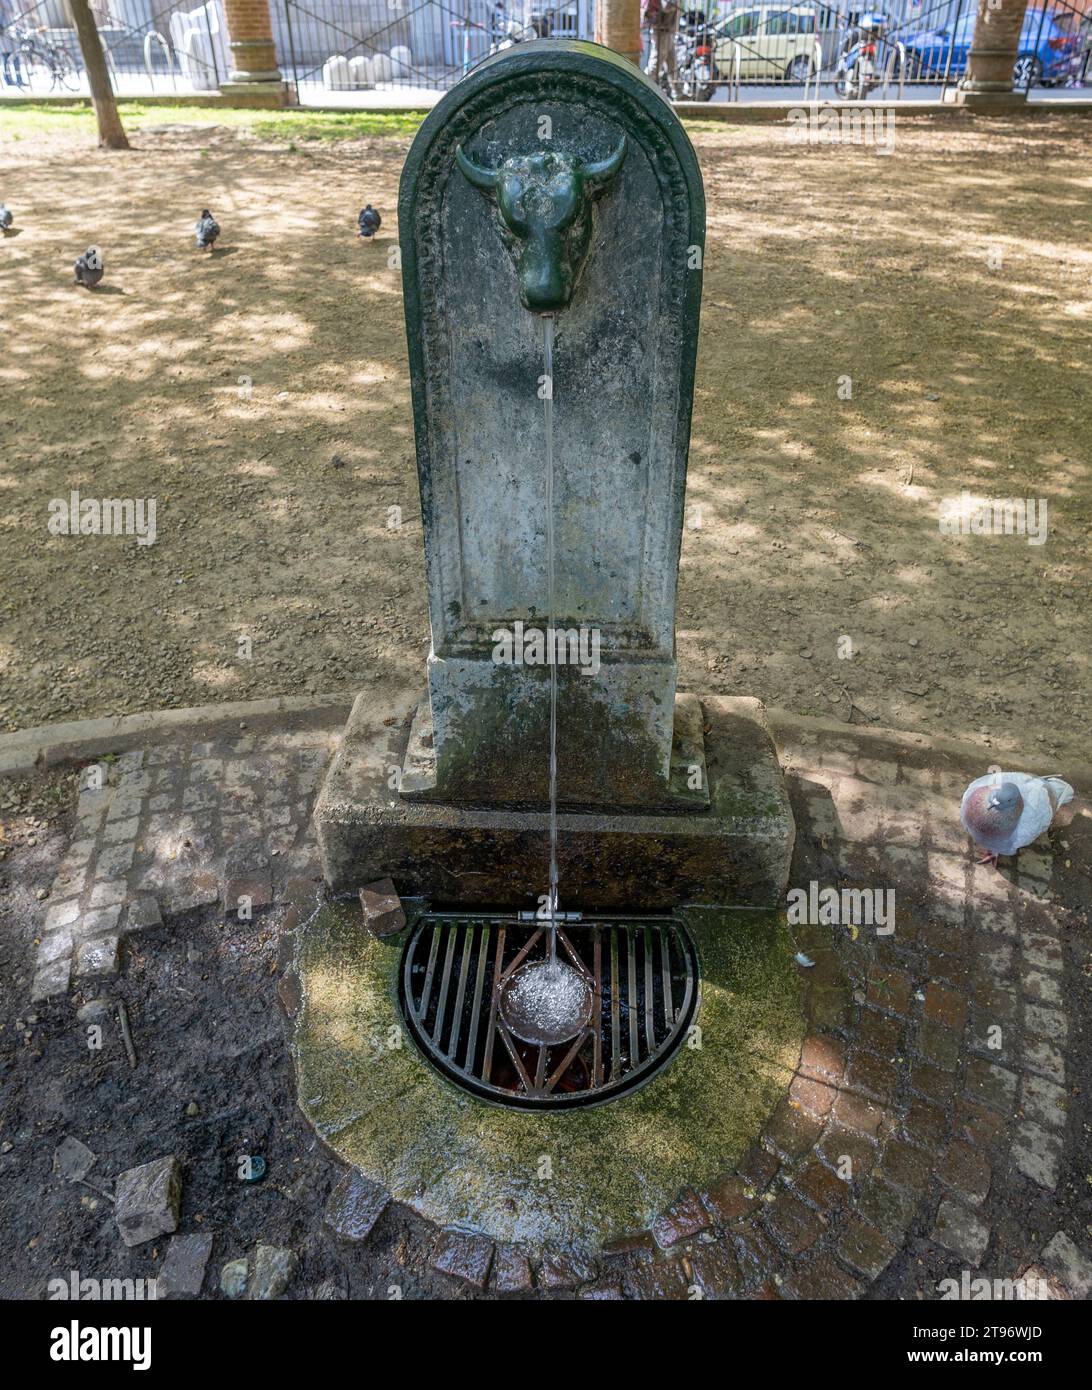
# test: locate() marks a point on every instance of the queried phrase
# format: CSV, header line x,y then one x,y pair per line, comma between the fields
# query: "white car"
x,y
774,42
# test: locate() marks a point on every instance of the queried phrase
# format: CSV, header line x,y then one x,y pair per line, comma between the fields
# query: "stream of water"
x,y
551,645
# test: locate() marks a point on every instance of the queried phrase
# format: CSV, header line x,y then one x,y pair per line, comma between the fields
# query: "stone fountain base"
x,y
735,850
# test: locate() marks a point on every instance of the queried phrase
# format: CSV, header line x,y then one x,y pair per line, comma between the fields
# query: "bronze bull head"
x,y
544,202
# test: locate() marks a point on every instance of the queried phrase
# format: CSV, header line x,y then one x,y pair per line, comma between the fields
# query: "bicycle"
x,y
38,64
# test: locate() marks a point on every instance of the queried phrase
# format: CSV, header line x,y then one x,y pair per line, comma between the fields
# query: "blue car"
x,y
1046,49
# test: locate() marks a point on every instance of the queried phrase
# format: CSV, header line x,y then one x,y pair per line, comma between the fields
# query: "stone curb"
x,y
49,745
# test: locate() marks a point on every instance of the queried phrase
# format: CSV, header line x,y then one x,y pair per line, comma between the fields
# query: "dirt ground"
x,y
261,396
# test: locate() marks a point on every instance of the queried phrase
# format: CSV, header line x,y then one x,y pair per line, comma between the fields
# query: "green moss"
x,y
582,1175
44,118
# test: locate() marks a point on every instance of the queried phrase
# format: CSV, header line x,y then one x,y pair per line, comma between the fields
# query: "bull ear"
x,y
473,173
601,173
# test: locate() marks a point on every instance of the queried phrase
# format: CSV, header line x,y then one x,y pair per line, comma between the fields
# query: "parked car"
x,y
774,42
1045,54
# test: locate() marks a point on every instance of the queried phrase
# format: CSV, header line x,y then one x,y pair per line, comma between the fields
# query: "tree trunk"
x,y
618,25
994,46
111,132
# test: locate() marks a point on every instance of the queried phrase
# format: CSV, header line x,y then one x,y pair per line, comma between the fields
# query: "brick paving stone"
x,y
925,1125
60,915
945,1006
858,1112
848,1152
758,1168
714,1270
966,1170
890,990
793,1224
978,1124
822,1278
890,1209
962,1230
938,1045
511,1271
566,1269
822,1058
1046,1023
880,1033
354,1207
1062,1257
464,1257
760,1261
654,1279
907,1167
932,1081
685,1217
822,1187
817,1097
792,1130
1038,1154
872,1076
727,1200
866,1249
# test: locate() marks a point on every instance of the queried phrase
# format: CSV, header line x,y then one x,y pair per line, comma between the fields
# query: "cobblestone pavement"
x,y
937,1125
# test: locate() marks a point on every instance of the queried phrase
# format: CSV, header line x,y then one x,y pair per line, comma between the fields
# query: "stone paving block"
x,y
1041,1057
564,1268
511,1271
1038,1154
61,915
1043,988
1044,1101
860,1113
866,1249
925,1125
907,1167
464,1257
354,1206
1042,952
108,894
656,1280
254,889
890,989
821,1277
822,1187
142,913
100,921
202,798
120,830
816,1097
944,1006
147,1199
961,1230
999,921
795,1226
1043,1022
77,855
52,979
70,884
932,1081
191,891
727,1200
98,956
124,807
759,1168
793,1130
715,1271
183,1270
115,861
272,1271
890,1209
1062,1257
54,946
939,1045
966,1170
132,760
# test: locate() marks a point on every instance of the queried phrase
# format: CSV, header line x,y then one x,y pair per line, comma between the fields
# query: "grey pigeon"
x,y
206,230
368,221
1004,811
6,218
89,268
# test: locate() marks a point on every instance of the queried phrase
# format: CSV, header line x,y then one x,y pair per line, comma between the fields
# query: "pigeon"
x,y
89,268
369,221
1004,811
6,218
206,230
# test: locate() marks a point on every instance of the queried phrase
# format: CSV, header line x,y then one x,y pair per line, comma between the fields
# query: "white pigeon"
x,y
1004,811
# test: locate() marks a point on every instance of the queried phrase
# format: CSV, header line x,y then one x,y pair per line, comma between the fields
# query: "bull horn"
x,y
474,173
606,169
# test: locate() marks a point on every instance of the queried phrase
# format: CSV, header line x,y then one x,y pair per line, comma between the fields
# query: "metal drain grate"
x,y
643,973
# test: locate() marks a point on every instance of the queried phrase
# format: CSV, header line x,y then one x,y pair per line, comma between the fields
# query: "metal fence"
x,y
375,52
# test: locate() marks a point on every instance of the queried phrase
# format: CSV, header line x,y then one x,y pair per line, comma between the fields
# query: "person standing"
x,y
661,18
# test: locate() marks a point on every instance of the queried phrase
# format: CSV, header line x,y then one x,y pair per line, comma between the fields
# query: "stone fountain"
x,y
554,186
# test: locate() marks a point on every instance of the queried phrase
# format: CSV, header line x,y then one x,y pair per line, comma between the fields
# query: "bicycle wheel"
x,y
66,75
37,73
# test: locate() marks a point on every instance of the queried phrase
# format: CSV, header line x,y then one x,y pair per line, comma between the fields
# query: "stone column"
x,y
988,82
618,26
254,71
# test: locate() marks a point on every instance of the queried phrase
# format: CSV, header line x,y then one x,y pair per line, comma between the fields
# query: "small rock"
x,y
193,1109
273,1269
147,1200
72,1160
383,915
354,1207
327,1292
94,1011
6,1147
183,1270
566,1269
234,1278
